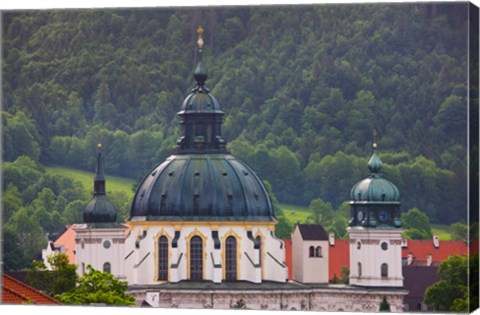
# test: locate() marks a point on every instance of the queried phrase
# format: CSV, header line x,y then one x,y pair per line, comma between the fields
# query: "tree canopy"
x,y
96,287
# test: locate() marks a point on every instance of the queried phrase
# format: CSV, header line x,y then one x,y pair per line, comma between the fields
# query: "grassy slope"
x,y
114,183
292,212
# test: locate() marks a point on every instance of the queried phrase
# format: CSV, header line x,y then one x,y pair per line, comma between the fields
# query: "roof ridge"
x,y
23,284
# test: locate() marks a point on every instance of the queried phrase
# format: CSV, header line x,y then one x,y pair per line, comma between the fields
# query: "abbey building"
x,y
201,232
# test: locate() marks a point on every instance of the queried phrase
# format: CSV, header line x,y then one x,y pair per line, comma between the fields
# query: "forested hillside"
x,y
302,88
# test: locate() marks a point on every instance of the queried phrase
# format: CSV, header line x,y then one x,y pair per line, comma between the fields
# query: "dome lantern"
x,y
200,115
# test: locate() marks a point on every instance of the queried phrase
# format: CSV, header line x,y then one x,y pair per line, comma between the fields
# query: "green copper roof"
x,y
375,188
374,164
99,209
203,187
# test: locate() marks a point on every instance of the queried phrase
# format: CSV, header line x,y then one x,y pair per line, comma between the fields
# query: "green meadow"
x,y
114,183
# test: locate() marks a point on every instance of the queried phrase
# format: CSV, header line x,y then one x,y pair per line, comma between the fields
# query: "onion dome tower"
x,y
202,214
99,210
375,229
99,241
375,200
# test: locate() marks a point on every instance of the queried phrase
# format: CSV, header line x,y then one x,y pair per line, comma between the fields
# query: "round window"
x,y
107,244
384,245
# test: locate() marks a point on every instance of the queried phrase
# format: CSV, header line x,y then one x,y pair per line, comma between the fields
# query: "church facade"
x,y
201,232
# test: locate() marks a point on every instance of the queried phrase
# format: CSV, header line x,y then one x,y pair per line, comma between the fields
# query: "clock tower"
x,y
375,231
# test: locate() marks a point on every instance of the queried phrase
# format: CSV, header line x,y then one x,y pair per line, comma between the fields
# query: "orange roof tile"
x,y
338,257
16,292
67,240
421,248
288,258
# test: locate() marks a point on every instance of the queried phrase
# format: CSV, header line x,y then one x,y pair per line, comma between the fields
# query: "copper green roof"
x,y
375,188
205,187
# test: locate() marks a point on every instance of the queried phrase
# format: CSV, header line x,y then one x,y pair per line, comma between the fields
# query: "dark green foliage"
x,y
452,292
61,278
96,287
384,305
416,224
301,86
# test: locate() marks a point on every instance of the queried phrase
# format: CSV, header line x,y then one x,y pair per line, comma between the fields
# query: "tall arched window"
x,y
196,258
311,251
231,258
107,267
318,251
163,258
384,270
359,266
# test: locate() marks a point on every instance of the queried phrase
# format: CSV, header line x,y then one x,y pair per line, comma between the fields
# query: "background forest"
x,y
302,88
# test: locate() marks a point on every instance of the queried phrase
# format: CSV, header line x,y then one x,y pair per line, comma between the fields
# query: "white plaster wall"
x,y
297,255
95,254
372,257
145,273
315,269
329,299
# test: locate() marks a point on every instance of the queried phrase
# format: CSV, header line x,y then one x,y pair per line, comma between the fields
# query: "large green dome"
x,y
203,187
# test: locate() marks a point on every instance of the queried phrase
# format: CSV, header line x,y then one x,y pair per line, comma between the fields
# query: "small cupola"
x,y
200,115
99,209
375,200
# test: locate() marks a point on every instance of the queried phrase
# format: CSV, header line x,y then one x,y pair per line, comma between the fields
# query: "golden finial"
x,y
99,146
374,134
200,37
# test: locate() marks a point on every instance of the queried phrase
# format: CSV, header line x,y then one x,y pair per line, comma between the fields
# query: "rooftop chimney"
x,y
436,241
409,259
429,259
331,238
404,242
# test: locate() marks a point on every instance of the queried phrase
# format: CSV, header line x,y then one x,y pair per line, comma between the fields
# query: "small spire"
x,y
374,135
200,38
99,180
200,74
374,164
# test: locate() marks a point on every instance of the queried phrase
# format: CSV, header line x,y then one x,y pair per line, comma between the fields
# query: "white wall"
x,y
145,273
372,256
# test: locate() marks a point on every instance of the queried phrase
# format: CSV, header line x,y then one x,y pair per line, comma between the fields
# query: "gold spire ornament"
x,y
374,134
200,37
99,146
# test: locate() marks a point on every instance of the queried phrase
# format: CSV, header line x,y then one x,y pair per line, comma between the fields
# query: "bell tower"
x,y
375,231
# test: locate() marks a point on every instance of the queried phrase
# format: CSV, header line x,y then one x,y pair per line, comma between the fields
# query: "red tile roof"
x,y
421,248
16,292
338,257
288,258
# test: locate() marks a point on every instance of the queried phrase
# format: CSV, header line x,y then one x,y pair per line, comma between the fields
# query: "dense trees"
x,y
301,86
96,287
452,292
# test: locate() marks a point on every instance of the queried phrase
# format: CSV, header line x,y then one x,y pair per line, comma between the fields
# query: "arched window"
x,y
359,266
107,267
311,251
196,258
231,258
162,258
384,270
318,251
